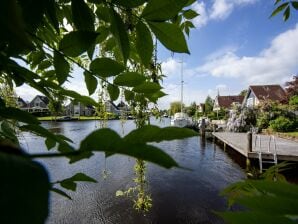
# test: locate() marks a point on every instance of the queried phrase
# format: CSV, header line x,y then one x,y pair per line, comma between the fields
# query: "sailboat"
x,y
181,119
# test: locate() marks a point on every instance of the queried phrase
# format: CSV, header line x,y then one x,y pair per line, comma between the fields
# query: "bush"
x,y
263,121
282,124
293,100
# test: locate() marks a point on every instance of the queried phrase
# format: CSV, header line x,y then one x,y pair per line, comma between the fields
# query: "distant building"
x,y
256,94
123,107
201,108
39,102
79,109
226,102
21,103
39,105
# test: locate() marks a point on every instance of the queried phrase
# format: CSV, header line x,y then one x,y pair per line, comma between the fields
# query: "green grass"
x,y
83,118
292,134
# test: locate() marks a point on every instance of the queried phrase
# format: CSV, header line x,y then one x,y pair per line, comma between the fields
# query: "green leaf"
x,y
75,43
120,33
106,67
286,14
190,2
148,153
83,99
295,4
50,143
25,182
96,141
61,66
51,14
153,97
103,13
157,10
170,35
190,14
129,79
44,64
19,115
58,191
113,92
70,183
151,133
129,95
129,3
144,43
91,82
147,87
7,131
82,15
119,193
279,9
253,217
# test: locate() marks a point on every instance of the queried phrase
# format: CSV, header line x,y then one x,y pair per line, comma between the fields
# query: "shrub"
x,y
263,121
282,124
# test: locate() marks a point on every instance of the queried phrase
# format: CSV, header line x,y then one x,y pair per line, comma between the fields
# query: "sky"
x,y
235,44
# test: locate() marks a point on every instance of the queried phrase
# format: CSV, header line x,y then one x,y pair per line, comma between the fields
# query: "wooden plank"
x,y
286,149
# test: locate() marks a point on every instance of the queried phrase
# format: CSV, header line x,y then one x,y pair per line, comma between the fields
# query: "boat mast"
x,y
182,85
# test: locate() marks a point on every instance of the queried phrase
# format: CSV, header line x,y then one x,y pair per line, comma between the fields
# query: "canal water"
x,y
179,196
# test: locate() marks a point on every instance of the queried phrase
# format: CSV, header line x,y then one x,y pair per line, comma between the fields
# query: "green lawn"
x,y
50,118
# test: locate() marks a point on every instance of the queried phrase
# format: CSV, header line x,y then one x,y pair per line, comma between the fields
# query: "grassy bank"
x,y
81,118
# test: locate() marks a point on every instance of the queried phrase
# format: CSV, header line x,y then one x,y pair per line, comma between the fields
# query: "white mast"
x,y
182,82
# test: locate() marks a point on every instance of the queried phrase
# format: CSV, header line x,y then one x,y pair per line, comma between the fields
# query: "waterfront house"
x,y
201,108
79,109
111,107
226,102
258,93
39,105
21,104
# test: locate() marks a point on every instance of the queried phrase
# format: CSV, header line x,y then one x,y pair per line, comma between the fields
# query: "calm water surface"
x,y
179,196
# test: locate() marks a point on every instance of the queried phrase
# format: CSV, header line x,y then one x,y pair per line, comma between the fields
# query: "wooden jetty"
x,y
248,145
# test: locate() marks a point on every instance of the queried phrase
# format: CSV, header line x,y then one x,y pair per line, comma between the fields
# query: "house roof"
x,y
227,101
269,92
21,101
43,99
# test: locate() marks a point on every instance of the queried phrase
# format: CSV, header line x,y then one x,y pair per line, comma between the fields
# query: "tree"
x,y
291,87
112,43
191,110
175,107
243,92
208,105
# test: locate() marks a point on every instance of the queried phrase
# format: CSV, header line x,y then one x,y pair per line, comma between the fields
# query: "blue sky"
x,y
234,45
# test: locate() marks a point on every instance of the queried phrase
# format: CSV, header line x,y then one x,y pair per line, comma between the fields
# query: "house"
x,y
123,107
79,109
39,105
111,107
201,108
21,103
258,93
39,102
226,102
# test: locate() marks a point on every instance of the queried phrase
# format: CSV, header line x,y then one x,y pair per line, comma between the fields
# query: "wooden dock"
x,y
286,150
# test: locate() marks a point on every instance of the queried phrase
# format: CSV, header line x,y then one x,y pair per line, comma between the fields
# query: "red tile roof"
x,y
269,92
226,101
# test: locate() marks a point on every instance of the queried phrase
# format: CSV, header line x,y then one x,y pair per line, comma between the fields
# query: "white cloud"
x,y
221,9
218,10
202,19
272,65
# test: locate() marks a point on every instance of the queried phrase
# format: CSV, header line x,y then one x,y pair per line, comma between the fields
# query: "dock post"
x,y
202,128
249,141
225,146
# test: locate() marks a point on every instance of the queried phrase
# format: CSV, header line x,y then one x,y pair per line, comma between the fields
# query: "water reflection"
x,y
179,195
